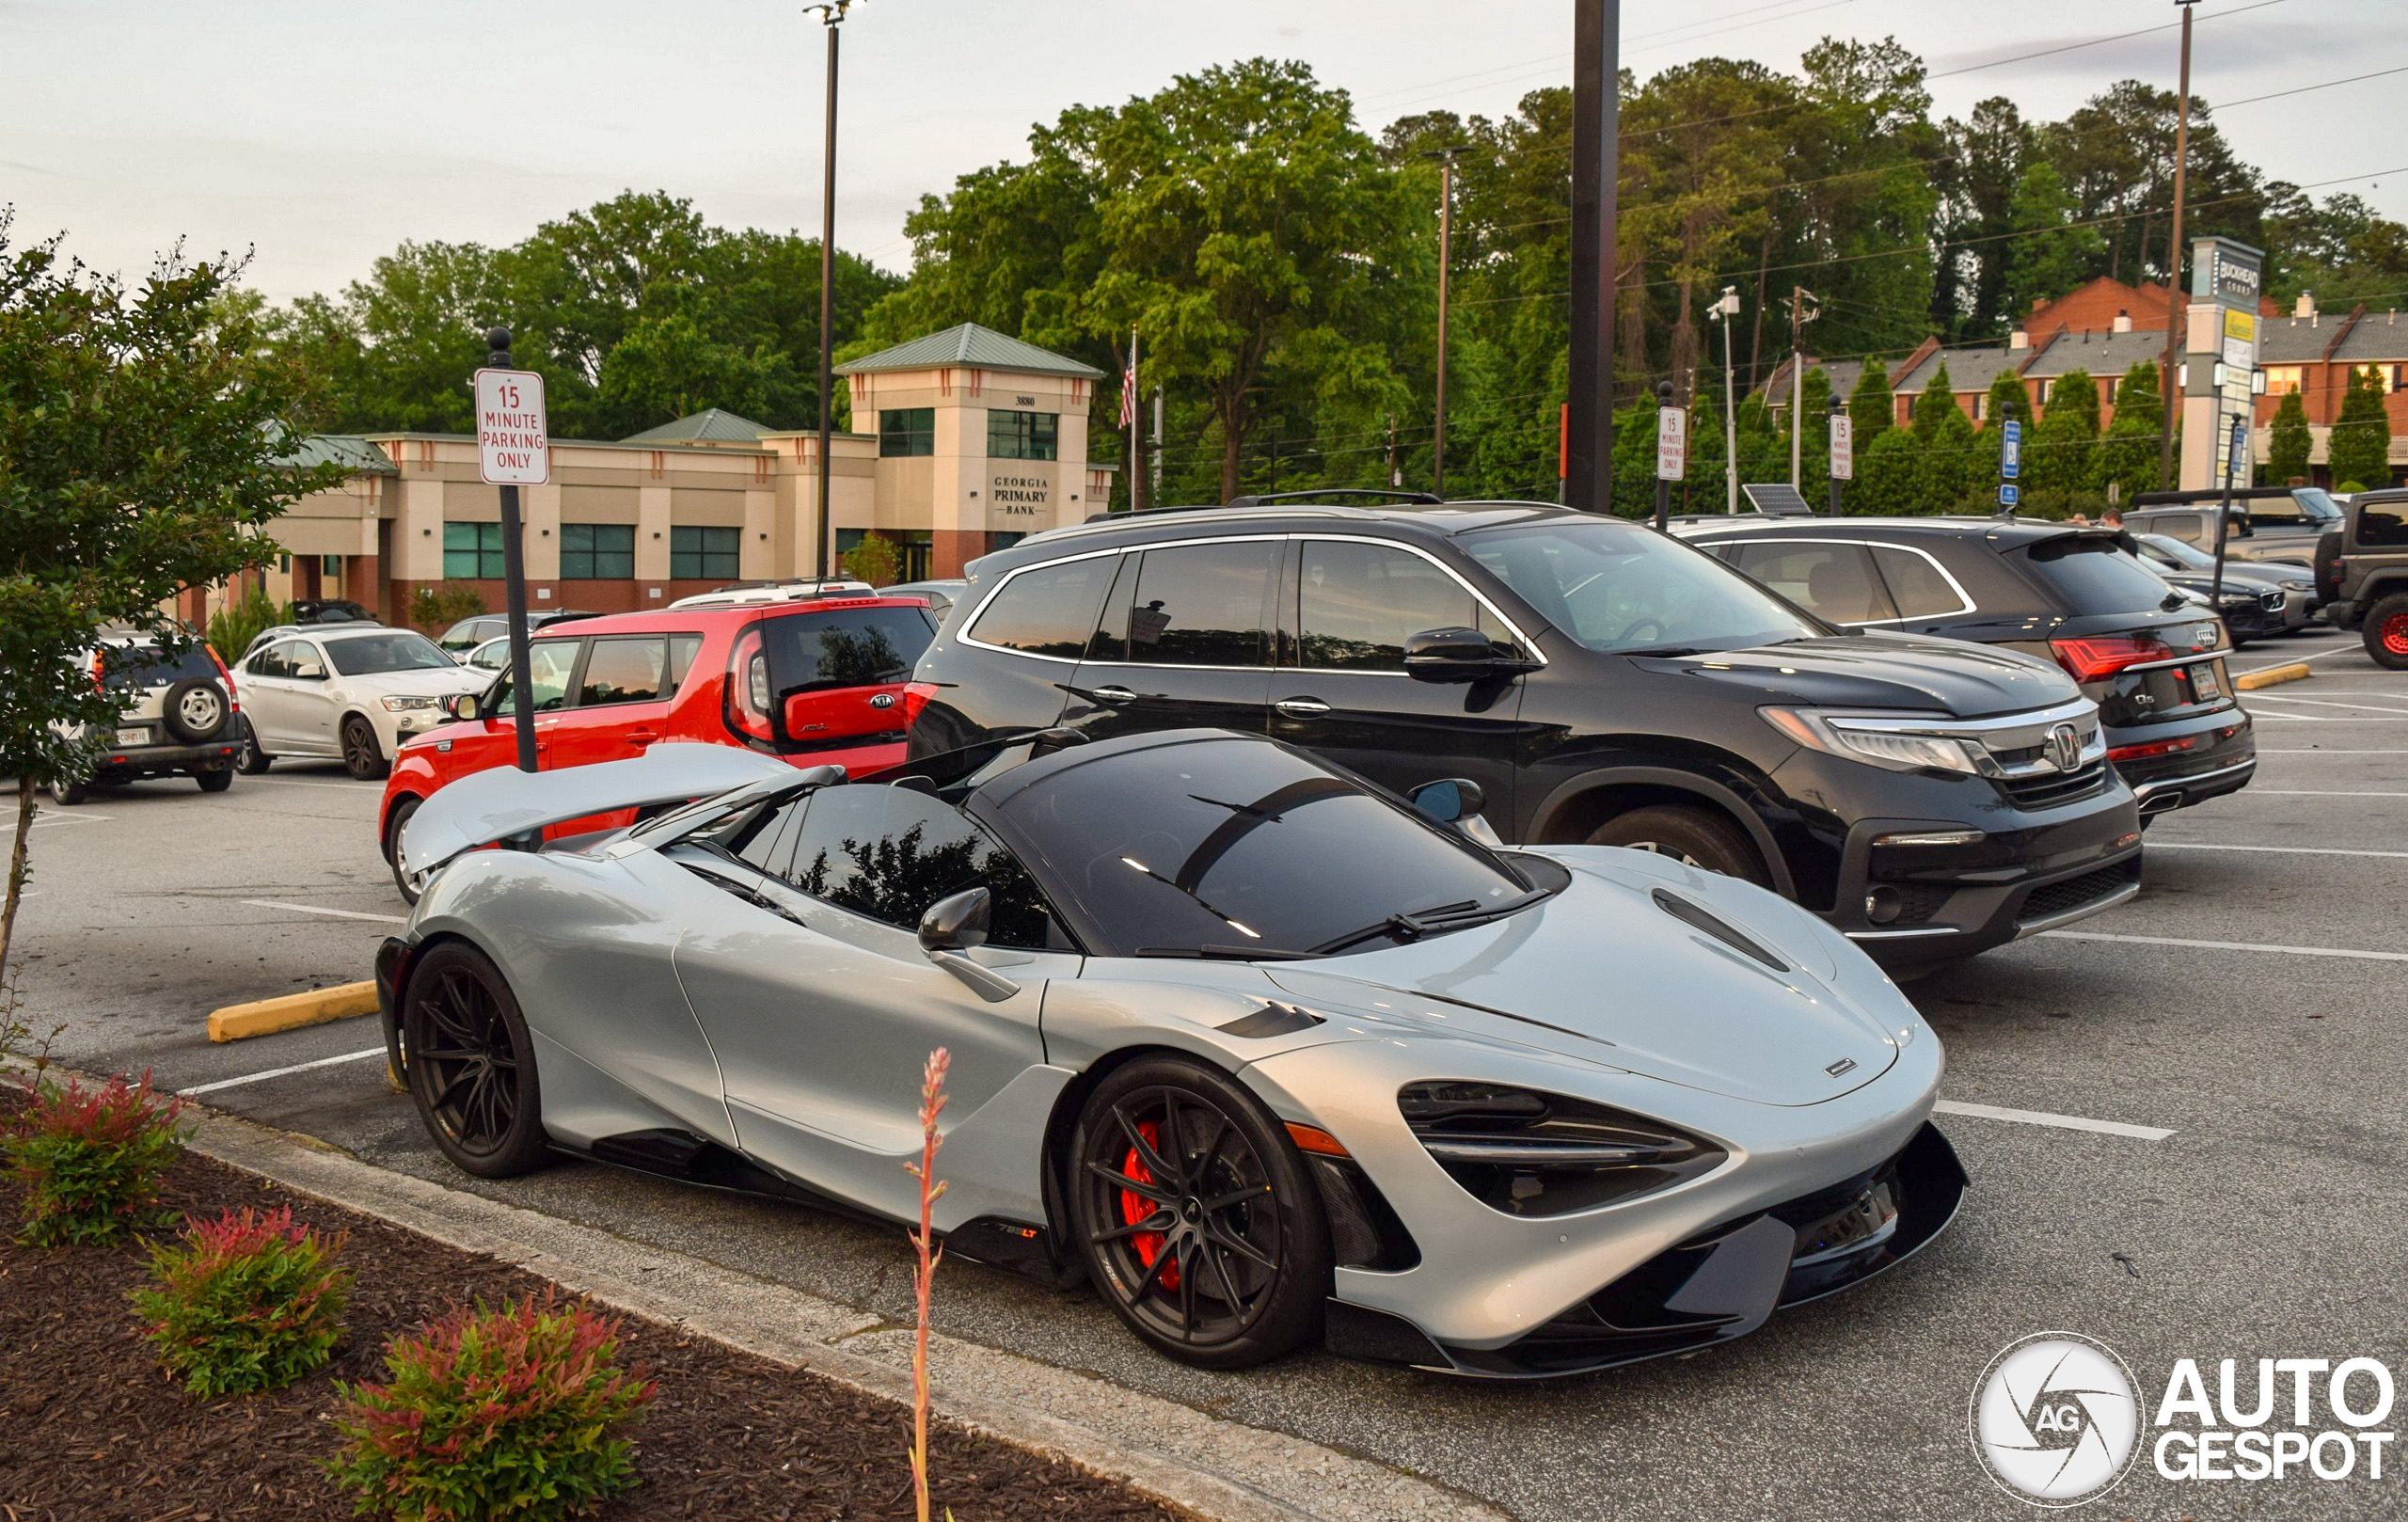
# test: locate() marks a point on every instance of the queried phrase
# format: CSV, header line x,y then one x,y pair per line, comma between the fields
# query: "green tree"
x,y
1956,464
2358,451
2063,453
1870,404
2128,456
139,434
2288,442
2048,253
2006,398
1889,475
1936,400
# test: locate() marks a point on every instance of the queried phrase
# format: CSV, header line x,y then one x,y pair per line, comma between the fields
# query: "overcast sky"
x,y
322,133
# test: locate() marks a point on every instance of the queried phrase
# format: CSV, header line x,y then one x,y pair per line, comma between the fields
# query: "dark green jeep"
x,y
2362,571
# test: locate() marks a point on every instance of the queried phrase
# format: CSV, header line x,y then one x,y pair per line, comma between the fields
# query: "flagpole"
x,y
1129,414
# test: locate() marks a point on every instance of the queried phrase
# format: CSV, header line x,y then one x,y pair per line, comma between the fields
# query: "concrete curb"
x,y
2250,681
1218,1470
290,1011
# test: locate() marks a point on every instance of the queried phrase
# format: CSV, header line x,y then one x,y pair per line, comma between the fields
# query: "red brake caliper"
x,y
1135,1207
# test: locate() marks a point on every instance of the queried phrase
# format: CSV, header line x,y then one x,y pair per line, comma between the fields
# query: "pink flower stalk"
x,y
932,1103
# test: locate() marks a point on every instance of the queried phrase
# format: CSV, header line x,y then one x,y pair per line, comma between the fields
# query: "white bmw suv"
x,y
349,694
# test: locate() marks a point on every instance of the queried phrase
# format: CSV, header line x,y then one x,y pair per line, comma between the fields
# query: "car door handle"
x,y
1113,695
641,736
1301,707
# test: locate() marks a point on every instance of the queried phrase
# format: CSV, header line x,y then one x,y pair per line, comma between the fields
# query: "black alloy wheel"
x,y
1692,837
360,757
1196,1216
471,1066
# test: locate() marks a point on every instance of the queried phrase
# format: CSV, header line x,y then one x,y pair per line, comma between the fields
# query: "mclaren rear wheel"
x,y
1197,1219
471,1065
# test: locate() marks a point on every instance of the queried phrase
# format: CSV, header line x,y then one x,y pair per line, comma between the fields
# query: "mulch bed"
x,y
95,1431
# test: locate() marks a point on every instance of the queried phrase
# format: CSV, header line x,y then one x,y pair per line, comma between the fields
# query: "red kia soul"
x,y
817,680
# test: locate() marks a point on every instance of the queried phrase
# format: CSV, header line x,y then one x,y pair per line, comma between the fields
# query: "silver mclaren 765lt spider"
x,y
1262,1052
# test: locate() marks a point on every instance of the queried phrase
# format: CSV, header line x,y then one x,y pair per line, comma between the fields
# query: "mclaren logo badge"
x,y
1845,1065
2064,747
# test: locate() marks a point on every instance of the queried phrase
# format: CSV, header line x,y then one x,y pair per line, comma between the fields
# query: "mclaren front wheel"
x,y
471,1065
1197,1219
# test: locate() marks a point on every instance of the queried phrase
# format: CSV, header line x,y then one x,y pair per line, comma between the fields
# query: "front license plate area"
x,y
1867,1219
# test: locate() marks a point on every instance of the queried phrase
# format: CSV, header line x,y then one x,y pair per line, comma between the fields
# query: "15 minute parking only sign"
x,y
514,448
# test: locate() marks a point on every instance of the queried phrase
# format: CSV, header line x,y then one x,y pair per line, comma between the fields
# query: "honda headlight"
x,y
1906,742
1532,1154
411,704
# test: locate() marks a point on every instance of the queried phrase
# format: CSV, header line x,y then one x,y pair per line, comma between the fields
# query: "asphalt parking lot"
x,y
2237,1028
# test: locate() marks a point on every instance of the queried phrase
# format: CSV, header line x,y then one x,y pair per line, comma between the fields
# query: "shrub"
x,y
437,608
508,1413
232,628
873,560
248,1303
91,1159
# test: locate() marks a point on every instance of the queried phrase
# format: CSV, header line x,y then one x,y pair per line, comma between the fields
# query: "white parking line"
x,y
359,788
78,817
2319,719
2323,703
2319,750
2321,792
338,914
2228,946
2042,1118
2295,660
278,1073
2268,851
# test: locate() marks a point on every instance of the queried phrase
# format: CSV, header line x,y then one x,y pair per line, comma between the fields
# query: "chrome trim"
x,y
992,593
1530,646
1301,707
2079,912
2148,789
2004,731
2219,652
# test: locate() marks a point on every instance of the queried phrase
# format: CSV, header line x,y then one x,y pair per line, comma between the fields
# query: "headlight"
x,y
1883,742
411,704
1529,1153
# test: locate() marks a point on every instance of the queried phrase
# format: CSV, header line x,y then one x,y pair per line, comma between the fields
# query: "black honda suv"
x,y
1599,682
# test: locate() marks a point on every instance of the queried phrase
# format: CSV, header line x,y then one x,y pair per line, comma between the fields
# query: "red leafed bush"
x,y
248,1303
516,1412
91,1159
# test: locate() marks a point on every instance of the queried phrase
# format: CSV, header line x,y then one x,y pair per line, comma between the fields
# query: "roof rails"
x,y
2212,494
1413,499
793,589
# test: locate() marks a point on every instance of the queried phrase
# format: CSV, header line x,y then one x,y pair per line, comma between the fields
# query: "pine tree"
x,y
2063,455
2360,451
1870,406
2127,457
1937,400
1888,474
2007,399
2288,443
1814,451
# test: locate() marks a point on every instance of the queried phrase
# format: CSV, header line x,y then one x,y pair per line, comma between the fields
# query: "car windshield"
x,y
1623,588
1233,847
2175,552
2317,504
400,650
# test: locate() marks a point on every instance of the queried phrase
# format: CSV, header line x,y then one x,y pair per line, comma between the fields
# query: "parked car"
x,y
941,596
2298,602
2267,523
1603,685
2151,659
1311,1066
352,693
2248,612
177,715
807,681
471,632
2362,567
492,654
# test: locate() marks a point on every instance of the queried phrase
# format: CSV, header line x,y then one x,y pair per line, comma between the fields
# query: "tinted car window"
x,y
275,660
2187,526
1050,611
1202,605
548,665
1918,589
1615,586
853,647
1218,843
372,654
2095,576
2386,525
2174,554
143,665
624,670
1834,581
1357,604
891,853
683,648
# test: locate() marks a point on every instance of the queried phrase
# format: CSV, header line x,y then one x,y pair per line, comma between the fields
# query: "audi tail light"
x,y
2097,657
2152,748
745,703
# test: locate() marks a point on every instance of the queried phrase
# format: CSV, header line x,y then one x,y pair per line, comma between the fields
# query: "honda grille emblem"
x,y
2063,746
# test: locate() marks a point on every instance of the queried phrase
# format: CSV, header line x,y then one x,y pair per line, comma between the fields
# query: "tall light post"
x,y
1725,310
2174,254
831,15
1588,418
1446,157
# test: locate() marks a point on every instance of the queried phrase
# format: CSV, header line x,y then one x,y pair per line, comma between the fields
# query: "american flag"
x,y
1128,386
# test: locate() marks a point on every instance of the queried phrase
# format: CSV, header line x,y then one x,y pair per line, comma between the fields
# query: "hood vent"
x,y
1696,917
1273,1019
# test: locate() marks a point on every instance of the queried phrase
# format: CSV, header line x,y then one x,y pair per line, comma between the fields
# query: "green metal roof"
x,y
982,348
709,426
353,453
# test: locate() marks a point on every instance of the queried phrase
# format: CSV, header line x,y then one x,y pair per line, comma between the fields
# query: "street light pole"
x,y
1446,157
1589,433
831,15
1726,310
2174,255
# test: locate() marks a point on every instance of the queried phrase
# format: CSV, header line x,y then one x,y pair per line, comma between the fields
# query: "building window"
x,y
1981,405
472,551
849,540
2281,380
330,566
2048,387
905,431
697,554
1022,435
597,551
2107,390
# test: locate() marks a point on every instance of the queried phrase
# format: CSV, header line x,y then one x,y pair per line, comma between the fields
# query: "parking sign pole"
x,y
2236,460
506,445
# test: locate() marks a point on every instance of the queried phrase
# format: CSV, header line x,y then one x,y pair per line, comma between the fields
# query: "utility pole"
x,y
831,15
2174,254
1725,310
1396,477
513,583
1798,317
1446,157
1155,460
1596,119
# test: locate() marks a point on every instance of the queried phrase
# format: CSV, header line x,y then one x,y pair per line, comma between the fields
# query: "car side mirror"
x,y
1448,800
1453,655
957,924
309,671
461,704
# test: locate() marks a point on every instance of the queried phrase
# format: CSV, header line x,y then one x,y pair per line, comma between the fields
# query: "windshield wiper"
x,y
1221,953
1415,926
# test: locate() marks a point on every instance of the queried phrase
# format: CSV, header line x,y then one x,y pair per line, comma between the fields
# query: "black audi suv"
x,y
1597,681
2151,658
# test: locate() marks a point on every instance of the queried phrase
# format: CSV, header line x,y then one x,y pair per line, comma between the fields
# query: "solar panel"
x,y
1778,500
